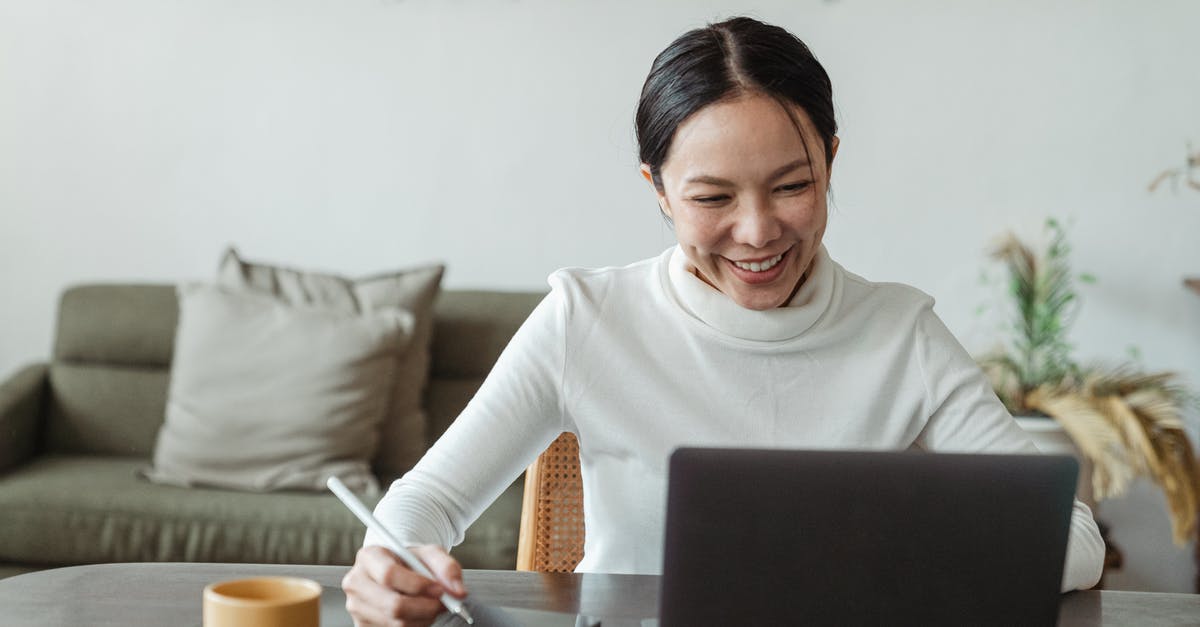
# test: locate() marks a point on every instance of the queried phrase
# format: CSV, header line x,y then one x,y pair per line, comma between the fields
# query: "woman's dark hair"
x,y
723,61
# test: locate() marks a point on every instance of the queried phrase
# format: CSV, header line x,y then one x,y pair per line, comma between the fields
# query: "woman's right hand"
x,y
382,591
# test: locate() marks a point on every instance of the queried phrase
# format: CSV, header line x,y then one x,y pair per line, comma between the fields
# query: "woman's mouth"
x,y
756,266
759,271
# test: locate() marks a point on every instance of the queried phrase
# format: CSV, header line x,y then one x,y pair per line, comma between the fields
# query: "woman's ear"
x,y
832,153
648,174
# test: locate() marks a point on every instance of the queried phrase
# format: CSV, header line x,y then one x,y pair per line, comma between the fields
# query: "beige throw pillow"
x,y
402,432
267,396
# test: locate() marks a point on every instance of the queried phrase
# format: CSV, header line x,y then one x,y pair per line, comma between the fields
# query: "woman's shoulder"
x,y
600,283
886,296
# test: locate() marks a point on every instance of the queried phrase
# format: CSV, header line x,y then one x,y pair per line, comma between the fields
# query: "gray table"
x,y
169,594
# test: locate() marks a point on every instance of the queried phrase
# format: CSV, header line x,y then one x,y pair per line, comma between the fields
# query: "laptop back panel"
x,y
858,538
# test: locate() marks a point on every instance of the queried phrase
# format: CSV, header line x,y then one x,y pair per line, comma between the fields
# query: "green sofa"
x,y
74,431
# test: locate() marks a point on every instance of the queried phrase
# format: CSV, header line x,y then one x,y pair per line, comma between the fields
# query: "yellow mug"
x,y
263,602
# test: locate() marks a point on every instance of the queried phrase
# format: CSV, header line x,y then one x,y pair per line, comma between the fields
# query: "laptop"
x,y
786,537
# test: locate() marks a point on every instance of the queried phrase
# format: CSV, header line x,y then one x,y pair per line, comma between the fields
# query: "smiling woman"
x,y
746,334
737,136
749,226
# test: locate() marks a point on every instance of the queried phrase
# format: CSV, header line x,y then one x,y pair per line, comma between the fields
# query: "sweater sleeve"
x,y
966,416
514,416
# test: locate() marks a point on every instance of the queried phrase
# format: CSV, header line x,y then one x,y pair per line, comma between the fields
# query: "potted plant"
x,y
1122,422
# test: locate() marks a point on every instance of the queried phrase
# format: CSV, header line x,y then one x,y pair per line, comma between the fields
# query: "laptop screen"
x,y
864,538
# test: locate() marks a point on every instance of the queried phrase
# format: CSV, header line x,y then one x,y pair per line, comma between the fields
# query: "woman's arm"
x,y
513,417
966,416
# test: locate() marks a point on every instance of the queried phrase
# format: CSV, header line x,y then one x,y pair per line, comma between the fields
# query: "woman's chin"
x,y
759,299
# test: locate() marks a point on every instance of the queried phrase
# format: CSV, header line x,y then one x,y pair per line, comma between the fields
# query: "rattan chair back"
x,y
551,538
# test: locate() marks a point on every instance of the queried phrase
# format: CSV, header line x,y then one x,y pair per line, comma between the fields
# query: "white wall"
x,y
137,138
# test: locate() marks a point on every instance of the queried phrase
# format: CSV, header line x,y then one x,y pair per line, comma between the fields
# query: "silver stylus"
x,y
412,561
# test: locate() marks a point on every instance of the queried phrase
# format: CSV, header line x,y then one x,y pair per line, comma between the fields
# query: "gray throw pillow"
x,y
403,431
267,396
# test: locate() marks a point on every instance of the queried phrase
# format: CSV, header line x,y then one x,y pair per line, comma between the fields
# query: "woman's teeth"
x,y
759,266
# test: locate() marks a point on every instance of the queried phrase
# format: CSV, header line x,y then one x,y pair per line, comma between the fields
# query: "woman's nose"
x,y
757,225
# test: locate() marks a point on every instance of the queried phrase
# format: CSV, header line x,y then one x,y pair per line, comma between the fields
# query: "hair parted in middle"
x,y
723,61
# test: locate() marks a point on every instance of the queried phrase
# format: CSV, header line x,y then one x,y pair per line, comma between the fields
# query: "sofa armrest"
x,y
21,401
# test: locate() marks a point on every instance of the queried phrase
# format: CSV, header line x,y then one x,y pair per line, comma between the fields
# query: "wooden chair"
x,y
551,538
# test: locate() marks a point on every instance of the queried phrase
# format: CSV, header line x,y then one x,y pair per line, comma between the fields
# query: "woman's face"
x,y
748,212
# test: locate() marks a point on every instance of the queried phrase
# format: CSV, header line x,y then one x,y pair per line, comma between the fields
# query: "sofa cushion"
x,y
60,510
105,409
473,327
129,325
402,432
267,396
108,378
87,509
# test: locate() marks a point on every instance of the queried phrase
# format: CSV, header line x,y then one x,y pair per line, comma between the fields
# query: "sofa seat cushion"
x,y
73,509
88,509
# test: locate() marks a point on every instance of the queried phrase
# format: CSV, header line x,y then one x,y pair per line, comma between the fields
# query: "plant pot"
x,y
1052,439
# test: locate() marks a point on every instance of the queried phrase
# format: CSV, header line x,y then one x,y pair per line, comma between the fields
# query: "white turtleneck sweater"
x,y
640,360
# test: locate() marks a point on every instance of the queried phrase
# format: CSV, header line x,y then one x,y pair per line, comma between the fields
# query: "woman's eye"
x,y
794,187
